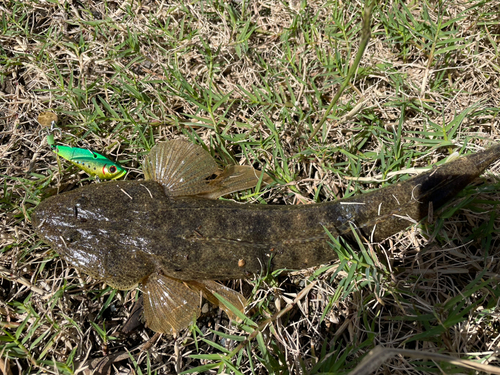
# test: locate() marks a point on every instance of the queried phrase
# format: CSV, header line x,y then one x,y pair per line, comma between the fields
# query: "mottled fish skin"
x,y
123,231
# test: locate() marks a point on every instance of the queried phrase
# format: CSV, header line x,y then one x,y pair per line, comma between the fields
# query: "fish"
x,y
171,235
91,162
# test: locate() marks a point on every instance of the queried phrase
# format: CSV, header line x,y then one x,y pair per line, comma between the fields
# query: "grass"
x,y
251,81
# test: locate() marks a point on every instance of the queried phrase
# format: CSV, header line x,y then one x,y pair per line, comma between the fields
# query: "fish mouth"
x,y
47,216
35,218
38,216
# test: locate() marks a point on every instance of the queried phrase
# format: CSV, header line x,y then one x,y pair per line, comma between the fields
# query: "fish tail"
x,y
389,210
376,215
482,160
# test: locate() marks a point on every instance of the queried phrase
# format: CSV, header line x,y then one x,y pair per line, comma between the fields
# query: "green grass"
x,y
251,81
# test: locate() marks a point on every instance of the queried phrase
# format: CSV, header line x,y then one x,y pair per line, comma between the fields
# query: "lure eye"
x,y
112,169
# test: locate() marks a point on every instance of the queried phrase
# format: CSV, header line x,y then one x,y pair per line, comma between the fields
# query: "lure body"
x,y
165,234
91,162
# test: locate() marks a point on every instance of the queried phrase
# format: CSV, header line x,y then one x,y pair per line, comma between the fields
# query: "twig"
x,y
10,276
380,354
273,318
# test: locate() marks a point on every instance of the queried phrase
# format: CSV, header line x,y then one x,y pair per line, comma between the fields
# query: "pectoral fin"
x,y
208,287
169,304
186,169
235,178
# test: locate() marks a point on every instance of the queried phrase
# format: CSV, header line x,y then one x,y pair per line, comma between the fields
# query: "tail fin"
x,y
386,211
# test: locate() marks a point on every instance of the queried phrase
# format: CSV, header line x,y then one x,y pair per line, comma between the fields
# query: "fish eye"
x,y
71,235
81,202
82,219
112,169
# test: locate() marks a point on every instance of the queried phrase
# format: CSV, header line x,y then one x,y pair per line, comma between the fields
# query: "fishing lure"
x,y
91,162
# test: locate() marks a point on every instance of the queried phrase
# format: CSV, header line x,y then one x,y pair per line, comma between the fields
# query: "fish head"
x,y
56,220
85,227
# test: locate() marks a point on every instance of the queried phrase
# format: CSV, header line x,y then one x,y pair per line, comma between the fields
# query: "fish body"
x,y
122,232
91,162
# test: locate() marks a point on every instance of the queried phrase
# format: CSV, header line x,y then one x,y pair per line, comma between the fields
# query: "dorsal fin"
x,y
186,169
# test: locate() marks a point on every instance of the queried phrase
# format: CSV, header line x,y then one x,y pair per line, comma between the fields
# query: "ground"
x,y
250,81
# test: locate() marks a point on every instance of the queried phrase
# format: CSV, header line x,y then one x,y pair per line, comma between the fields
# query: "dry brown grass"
x,y
250,80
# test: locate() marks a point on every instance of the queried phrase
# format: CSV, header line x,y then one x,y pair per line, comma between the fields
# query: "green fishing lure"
x,y
91,162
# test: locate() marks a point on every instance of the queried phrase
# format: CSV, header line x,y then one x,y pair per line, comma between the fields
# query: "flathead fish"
x,y
172,236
